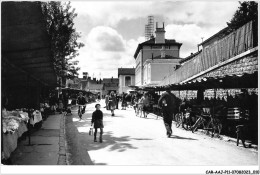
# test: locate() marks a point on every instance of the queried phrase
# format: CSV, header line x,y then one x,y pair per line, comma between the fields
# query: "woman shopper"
x,y
97,120
112,102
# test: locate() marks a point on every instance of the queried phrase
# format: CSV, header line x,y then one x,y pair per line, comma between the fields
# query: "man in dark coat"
x,y
167,103
97,119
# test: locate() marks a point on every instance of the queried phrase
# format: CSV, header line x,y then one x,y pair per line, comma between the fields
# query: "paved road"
x,y
130,140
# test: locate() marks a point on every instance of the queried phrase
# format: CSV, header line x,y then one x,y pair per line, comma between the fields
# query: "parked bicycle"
x,y
208,122
184,119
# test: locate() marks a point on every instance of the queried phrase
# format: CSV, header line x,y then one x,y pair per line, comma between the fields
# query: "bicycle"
x,y
184,118
209,123
179,119
80,111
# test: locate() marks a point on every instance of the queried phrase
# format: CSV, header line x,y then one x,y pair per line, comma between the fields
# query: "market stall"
x,y
14,125
28,73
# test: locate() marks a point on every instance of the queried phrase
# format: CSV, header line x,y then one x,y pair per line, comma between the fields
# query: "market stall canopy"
x,y
25,48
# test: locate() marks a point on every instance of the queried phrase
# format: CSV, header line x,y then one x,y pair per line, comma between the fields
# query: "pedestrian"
x,y
168,105
60,100
53,102
97,119
117,100
112,102
106,101
98,97
146,103
123,101
136,103
65,101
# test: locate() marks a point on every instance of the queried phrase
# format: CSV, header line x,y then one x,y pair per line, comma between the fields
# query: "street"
x,y
131,140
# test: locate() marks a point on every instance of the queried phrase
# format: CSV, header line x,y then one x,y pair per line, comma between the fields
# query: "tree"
x,y
64,38
247,11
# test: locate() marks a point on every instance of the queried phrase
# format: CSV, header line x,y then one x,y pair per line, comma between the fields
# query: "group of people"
x,y
166,102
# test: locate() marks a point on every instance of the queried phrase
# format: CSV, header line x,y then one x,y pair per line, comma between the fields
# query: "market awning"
x,y
237,73
26,50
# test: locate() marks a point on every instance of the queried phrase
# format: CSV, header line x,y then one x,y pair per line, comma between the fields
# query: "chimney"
x,y
159,34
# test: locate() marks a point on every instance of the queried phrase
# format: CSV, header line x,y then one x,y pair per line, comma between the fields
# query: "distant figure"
x,y
60,103
146,103
106,101
98,97
81,101
123,101
97,119
117,100
112,102
167,103
52,102
65,101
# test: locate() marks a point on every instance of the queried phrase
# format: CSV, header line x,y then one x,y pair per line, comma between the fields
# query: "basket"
x,y
90,131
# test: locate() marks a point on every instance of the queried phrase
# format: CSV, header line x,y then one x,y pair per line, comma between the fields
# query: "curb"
x,y
62,160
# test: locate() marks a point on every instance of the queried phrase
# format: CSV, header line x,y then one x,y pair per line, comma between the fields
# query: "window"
x,y
127,81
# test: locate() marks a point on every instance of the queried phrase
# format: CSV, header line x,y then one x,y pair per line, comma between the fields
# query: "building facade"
x,y
126,78
110,84
155,58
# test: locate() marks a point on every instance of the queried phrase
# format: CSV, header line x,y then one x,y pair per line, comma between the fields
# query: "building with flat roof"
x,y
156,58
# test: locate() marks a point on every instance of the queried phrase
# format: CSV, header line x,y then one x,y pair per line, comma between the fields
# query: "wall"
x,y
160,70
156,51
138,69
122,87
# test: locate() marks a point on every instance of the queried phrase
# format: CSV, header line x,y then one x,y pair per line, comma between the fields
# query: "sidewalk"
x,y
47,145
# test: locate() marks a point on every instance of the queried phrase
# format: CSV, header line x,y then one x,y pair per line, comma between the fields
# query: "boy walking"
x,y
97,119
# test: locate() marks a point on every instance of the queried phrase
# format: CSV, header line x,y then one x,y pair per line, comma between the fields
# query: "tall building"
x,y
149,28
156,58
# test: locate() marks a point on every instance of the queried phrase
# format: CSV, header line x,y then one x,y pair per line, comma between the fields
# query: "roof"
x,y
151,42
190,57
110,80
219,34
126,71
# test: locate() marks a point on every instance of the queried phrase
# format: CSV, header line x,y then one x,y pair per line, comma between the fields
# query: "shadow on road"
x,y
178,137
79,143
114,143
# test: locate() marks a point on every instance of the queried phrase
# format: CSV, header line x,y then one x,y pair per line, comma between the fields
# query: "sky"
x,y
112,30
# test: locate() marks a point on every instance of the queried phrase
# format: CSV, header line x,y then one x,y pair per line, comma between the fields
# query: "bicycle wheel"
x,y
216,128
178,120
196,125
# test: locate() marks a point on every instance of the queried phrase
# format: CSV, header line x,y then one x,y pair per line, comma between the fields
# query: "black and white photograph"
x,y
129,87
